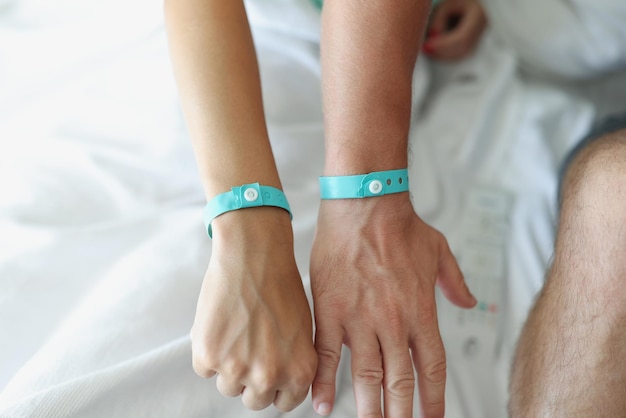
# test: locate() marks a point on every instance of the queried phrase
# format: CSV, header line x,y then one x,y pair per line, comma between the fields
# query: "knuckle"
x,y
229,392
401,386
302,380
255,403
312,362
303,377
266,382
202,351
202,364
434,409
286,405
435,373
372,376
233,368
327,357
202,369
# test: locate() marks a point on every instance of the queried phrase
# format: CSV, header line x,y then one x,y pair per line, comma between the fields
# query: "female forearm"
x,y
368,54
253,324
218,79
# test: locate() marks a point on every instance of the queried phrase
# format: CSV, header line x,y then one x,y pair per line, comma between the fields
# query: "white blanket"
x,y
102,248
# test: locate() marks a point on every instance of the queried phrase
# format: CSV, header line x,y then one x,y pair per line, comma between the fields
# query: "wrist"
x,y
245,196
216,183
367,213
343,158
257,241
375,202
252,227
359,186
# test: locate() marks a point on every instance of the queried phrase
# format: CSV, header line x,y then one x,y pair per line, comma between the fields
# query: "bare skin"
x,y
253,324
570,358
378,299
374,263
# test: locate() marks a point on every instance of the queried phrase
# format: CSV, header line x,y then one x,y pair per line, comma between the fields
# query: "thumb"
x,y
328,342
450,279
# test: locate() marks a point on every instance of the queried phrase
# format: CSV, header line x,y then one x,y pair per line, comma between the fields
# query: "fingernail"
x,y
323,408
428,49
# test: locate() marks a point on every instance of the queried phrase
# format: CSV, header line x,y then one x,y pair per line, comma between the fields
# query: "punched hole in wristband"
x,y
378,183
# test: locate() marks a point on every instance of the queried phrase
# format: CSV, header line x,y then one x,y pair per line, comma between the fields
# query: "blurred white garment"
x,y
565,38
579,45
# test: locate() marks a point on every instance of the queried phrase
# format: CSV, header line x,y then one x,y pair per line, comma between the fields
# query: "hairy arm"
x,y
369,51
374,262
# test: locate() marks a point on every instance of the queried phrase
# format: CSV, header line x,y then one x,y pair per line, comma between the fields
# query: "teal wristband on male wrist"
x,y
377,183
241,197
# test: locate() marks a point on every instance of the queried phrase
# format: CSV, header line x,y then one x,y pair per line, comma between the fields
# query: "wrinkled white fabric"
x,y
564,38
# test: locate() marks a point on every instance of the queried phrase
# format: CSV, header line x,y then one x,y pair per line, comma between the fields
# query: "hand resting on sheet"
x,y
253,323
378,297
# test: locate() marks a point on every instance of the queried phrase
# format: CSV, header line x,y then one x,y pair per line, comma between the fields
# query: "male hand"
x,y
253,323
374,267
456,27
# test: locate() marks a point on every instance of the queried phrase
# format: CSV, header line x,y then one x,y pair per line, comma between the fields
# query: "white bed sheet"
x,y
102,249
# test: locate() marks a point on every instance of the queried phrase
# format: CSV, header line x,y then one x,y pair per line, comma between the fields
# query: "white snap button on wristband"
x,y
375,186
242,197
250,195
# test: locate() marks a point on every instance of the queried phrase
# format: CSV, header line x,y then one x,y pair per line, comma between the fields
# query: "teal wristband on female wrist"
x,y
377,183
241,197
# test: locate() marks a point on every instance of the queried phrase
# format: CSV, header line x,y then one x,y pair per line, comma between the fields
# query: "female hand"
x,y
455,29
253,323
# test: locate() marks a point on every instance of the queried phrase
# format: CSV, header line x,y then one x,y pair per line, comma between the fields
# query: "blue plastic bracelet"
x,y
241,197
378,183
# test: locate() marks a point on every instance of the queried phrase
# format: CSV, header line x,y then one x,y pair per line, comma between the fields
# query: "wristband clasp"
x,y
242,197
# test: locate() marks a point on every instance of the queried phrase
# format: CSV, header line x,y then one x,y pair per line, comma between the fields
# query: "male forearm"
x,y
368,54
218,79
